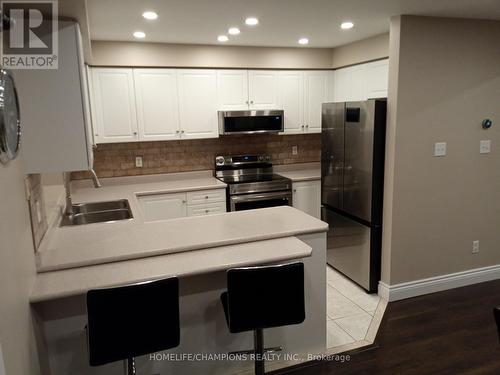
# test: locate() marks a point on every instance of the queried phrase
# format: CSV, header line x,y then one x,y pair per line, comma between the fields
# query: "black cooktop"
x,y
242,179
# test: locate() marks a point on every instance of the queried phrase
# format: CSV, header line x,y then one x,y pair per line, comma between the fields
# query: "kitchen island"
x,y
198,250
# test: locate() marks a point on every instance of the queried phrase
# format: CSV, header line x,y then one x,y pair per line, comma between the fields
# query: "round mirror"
x,y
10,125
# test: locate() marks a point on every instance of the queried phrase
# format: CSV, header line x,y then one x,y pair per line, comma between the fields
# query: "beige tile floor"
x,y
349,310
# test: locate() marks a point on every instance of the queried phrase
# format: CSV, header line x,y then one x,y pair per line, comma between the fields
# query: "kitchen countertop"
x,y
99,243
70,282
299,172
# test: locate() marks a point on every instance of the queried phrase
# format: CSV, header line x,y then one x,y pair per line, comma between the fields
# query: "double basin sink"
x,y
98,212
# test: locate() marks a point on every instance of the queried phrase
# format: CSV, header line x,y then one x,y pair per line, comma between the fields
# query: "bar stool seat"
x,y
133,320
264,297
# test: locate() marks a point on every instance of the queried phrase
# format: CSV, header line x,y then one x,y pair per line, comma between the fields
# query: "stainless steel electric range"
x,y
251,182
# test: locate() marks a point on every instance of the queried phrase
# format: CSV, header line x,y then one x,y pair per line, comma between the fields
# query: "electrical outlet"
x,y
138,161
475,247
485,146
295,150
440,149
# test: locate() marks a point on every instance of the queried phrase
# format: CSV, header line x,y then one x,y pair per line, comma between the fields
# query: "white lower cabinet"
x,y
307,197
163,206
174,205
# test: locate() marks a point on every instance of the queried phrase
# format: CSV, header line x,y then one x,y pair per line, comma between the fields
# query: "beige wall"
x,y
369,49
177,55
444,80
17,272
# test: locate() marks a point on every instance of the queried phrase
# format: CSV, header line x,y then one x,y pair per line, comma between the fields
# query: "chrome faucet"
x,y
97,183
67,186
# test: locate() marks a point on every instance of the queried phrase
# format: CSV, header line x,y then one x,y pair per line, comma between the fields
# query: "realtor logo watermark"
x,y
29,37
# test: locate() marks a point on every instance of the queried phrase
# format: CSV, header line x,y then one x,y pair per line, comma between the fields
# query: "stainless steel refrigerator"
x,y
352,184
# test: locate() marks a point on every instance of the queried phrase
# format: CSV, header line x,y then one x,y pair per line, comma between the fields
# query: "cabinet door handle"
x,y
206,196
302,126
294,190
183,201
177,131
251,101
307,126
206,211
182,131
135,133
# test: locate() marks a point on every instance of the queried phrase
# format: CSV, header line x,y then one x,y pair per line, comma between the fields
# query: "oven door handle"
x,y
260,197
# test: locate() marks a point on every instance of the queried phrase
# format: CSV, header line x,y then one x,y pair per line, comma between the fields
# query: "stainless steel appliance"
x,y
250,122
10,123
352,175
251,182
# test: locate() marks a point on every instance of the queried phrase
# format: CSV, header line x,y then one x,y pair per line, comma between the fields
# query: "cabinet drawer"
x,y
206,209
206,196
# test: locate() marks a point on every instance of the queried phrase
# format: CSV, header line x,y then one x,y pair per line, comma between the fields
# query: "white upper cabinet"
x,y
342,90
315,96
358,83
232,90
377,79
55,119
157,106
197,103
162,104
330,86
362,82
114,101
263,89
291,100
300,95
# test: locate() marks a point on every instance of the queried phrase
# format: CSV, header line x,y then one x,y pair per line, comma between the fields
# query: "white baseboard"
x,y
415,288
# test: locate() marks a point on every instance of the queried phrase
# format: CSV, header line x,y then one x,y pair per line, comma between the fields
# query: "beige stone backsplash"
x,y
118,159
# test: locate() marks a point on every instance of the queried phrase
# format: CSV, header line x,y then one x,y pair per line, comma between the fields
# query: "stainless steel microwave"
x,y
251,122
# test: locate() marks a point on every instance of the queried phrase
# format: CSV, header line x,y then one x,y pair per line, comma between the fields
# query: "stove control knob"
x,y
219,160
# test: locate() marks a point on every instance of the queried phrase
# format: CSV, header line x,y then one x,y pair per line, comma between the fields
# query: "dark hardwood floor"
x,y
451,332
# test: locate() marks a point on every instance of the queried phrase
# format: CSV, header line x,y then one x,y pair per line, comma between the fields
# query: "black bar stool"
x,y
263,297
496,314
133,320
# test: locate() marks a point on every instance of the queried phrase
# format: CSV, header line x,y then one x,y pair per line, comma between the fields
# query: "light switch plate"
x,y
485,146
295,150
475,247
440,149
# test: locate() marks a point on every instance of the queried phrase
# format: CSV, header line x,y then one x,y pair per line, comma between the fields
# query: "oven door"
x,y
260,200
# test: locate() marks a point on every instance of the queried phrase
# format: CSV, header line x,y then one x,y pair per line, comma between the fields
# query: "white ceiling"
x,y
282,22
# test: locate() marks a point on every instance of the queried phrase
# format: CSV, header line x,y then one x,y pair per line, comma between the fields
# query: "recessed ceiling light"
x,y
149,15
139,35
251,21
222,38
346,25
303,41
234,31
